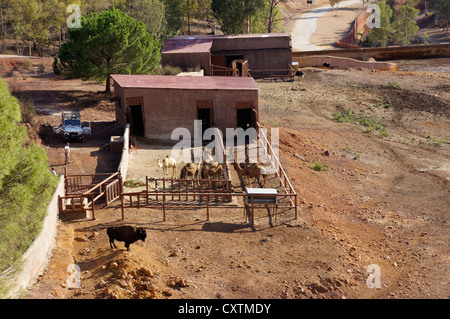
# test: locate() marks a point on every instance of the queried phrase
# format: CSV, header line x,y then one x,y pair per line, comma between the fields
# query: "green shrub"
x,y
394,85
319,166
26,183
167,70
26,64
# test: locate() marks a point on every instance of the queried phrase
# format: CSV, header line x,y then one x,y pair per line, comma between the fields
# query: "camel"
x,y
254,171
212,170
190,170
165,164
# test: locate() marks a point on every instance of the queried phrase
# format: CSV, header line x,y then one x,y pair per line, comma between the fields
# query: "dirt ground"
x,y
381,200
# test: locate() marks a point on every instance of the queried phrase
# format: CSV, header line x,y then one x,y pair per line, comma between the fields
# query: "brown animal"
x,y
128,234
212,170
254,171
190,170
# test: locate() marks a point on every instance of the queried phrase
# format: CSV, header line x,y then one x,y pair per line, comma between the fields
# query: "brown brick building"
x,y
257,52
156,105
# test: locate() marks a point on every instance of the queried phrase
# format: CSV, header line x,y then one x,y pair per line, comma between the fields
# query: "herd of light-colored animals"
x,y
211,169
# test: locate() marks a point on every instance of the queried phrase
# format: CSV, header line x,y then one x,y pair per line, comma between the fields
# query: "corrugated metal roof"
x,y
187,45
185,82
203,43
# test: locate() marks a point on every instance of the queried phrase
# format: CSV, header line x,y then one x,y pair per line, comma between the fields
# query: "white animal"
x,y
165,164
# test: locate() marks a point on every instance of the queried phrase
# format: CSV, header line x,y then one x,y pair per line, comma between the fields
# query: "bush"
x,y
319,166
167,70
41,67
26,64
26,183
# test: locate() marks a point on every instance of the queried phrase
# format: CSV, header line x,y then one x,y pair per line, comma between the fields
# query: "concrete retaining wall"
x,y
352,39
344,63
35,259
123,166
389,53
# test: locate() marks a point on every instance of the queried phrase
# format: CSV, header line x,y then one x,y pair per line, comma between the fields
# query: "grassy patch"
x,y
132,183
349,152
319,166
371,123
394,85
436,141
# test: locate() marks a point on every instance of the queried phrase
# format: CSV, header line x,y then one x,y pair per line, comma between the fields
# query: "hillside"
x,y
383,199
26,183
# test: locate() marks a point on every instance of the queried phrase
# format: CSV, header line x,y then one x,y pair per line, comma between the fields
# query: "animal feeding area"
x,y
155,181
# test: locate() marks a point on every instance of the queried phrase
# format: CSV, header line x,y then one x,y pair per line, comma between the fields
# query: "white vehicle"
x,y
71,127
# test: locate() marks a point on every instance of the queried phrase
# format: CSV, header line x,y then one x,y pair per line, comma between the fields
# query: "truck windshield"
x,y
72,122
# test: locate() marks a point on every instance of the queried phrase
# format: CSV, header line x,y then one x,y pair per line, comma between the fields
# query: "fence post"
x,y
171,187
164,207
59,206
93,207
295,206
253,213
121,205
207,207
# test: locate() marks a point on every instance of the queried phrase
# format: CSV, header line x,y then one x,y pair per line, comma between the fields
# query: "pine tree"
x,y
110,42
235,16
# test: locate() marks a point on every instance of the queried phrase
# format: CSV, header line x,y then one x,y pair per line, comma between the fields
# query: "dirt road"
x,y
319,28
379,199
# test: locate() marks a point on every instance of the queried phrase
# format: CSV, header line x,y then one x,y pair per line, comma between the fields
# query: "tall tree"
x,y
382,35
151,13
235,16
110,42
335,4
24,15
442,8
189,9
173,16
274,14
404,25
227,14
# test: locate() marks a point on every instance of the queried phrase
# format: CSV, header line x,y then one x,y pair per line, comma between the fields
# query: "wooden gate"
x,y
113,191
83,190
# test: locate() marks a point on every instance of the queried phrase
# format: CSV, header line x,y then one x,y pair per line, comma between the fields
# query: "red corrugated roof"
x,y
187,45
203,43
185,82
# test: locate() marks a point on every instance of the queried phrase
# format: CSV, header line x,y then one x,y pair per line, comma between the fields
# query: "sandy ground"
x,y
381,200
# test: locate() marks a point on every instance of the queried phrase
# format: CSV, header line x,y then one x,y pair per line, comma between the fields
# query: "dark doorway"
x,y
136,120
230,58
245,118
204,115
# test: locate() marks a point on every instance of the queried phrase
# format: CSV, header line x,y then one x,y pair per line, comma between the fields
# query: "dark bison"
x,y
128,234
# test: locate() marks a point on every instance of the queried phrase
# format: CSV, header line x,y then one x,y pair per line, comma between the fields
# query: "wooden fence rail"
x,y
179,187
273,73
142,200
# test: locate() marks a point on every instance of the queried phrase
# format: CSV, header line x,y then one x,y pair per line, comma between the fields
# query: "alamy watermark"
x,y
374,20
74,20
74,279
374,279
